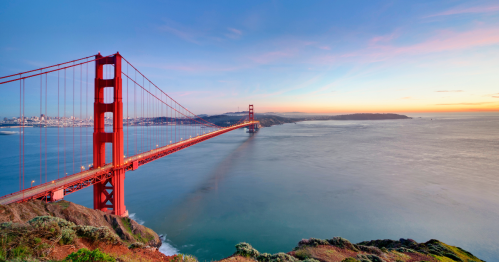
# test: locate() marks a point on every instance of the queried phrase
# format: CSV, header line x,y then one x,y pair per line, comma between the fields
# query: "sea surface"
x,y
431,177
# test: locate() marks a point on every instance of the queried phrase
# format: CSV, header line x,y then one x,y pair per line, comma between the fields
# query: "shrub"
x,y
48,221
342,243
136,245
5,225
282,257
349,259
246,250
84,255
20,252
68,236
310,260
264,257
302,254
96,233
184,258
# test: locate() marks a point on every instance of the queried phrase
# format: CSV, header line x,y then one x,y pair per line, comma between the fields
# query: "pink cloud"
x,y
271,56
188,93
181,33
465,104
384,38
193,68
235,31
325,47
469,10
443,41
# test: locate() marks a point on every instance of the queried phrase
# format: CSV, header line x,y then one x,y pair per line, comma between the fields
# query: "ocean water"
x,y
431,177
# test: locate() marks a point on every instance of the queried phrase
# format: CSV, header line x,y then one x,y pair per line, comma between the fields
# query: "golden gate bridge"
x,y
139,121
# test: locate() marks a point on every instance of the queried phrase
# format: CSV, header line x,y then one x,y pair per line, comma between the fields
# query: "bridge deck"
x,y
87,178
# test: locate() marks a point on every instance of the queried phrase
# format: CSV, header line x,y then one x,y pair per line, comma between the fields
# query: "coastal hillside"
x,y
267,120
339,249
64,231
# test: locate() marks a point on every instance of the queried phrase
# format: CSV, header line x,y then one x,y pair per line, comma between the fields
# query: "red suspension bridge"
x,y
131,117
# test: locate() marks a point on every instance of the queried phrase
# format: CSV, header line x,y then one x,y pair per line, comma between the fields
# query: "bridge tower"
x,y
251,117
109,195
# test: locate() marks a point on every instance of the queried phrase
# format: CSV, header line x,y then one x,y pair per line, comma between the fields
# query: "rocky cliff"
x,y
339,249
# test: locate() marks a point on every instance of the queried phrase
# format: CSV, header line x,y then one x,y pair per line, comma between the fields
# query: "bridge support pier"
x,y
109,195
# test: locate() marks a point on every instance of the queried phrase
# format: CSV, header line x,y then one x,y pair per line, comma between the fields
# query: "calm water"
x,y
361,180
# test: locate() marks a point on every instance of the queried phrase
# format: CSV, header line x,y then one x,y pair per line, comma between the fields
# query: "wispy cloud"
x,y
465,104
406,98
443,41
234,33
468,10
189,93
194,68
183,33
268,57
384,38
450,91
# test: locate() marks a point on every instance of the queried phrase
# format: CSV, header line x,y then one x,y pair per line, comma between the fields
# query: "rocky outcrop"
x,y
127,229
338,249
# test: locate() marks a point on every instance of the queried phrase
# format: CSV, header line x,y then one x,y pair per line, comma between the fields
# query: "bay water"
x,y
433,176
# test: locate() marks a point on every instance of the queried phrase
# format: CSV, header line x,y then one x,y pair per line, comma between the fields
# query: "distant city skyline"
x,y
282,56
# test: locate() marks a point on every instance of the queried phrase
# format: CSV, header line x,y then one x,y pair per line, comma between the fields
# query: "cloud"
x,y
453,91
468,10
182,33
189,93
234,33
407,97
384,38
194,68
443,41
465,104
268,57
325,47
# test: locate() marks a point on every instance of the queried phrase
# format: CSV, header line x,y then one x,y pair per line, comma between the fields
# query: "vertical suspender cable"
x,y
46,122
58,123
73,119
64,129
40,127
20,130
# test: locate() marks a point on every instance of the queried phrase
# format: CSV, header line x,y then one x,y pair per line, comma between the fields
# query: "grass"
x,y
127,224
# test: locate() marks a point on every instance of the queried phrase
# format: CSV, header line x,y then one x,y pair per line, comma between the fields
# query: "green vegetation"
x,y
302,254
102,234
184,258
35,239
127,224
246,250
84,255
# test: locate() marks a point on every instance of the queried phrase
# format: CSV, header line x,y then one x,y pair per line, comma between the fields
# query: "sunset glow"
x,y
287,56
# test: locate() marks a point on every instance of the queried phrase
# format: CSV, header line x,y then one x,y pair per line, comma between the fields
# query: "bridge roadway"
x,y
87,178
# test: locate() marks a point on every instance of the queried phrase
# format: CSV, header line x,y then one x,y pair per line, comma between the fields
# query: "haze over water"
x,y
360,180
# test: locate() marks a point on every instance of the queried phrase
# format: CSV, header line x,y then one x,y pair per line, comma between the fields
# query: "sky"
x,y
281,56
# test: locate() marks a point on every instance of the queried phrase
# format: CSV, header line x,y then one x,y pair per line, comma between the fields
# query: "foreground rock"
x,y
51,231
339,249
